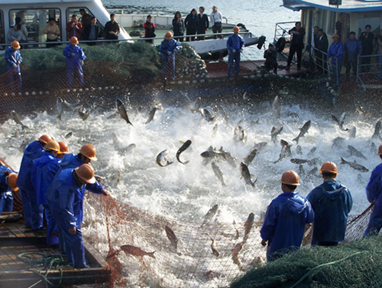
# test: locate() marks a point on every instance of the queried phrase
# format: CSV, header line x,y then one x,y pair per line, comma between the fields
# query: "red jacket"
x,y
70,30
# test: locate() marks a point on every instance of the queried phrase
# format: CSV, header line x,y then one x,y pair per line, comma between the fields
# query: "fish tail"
x,y
24,127
151,254
59,117
342,161
130,123
296,139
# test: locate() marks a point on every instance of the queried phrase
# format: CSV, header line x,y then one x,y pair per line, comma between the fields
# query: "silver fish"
x,y
17,119
218,173
275,132
352,132
122,111
276,106
197,104
69,134
311,152
60,107
335,119
260,145
240,134
210,214
303,130
287,147
341,122
298,150
182,149
230,159
377,129
338,142
251,156
248,226
152,113
84,114
130,147
172,237
206,114
213,248
354,165
214,154
301,170
246,175
354,152
161,159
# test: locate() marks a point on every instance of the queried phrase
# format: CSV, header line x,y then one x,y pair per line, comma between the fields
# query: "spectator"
x,y
74,60
296,44
315,34
378,45
52,32
92,31
366,39
85,19
353,51
336,53
322,45
13,60
14,34
74,28
216,21
178,27
235,45
285,219
168,48
270,56
112,28
191,24
149,29
24,30
203,23
331,203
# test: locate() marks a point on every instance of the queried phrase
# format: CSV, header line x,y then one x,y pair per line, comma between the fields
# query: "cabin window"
x,y
331,29
2,36
34,21
84,19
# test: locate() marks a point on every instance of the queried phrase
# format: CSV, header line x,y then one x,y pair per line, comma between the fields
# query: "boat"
x,y
35,14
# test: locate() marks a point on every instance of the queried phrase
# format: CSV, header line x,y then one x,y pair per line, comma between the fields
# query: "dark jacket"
x,y
149,29
323,44
87,30
203,24
71,30
367,43
111,27
297,39
177,27
270,56
352,49
191,22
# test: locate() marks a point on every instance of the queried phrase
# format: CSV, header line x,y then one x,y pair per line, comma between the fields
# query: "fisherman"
x,y
67,188
8,179
191,23
285,219
74,61
336,52
168,48
64,150
216,21
149,29
43,172
112,28
331,203
203,23
32,212
270,56
13,59
296,44
374,195
353,51
74,28
235,45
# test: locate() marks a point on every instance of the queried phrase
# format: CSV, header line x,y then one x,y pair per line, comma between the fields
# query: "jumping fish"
x,y
210,214
237,231
152,113
213,248
122,111
246,175
230,159
377,129
341,122
239,134
311,152
301,161
17,119
235,254
303,130
206,114
161,159
298,150
60,107
83,113
352,132
212,153
218,173
354,165
275,132
136,251
354,152
182,149
248,226
260,145
197,104
251,156
287,146
276,106
171,236
338,142
69,134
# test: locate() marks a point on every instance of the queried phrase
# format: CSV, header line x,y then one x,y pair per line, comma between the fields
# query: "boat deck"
x,y
16,239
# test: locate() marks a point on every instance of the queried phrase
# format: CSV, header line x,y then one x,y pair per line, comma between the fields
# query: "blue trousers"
x,y
337,72
168,66
70,72
231,57
15,80
33,212
375,222
51,222
74,246
6,202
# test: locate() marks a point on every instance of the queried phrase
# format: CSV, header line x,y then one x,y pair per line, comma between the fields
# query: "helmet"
x,y
85,173
168,35
89,151
53,146
45,138
15,44
329,167
380,150
12,179
64,148
74,40
236,29
290,178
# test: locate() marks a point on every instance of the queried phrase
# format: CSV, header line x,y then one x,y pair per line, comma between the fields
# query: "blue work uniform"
x,y
74,64
235,44
168,49
331,203
33,213
336,50
374,195
43,172
12,57
66,189
284,224
6,197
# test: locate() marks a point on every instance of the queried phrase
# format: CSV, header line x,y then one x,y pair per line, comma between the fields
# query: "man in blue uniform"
x,y
285,219
32,212
168,48
336,53
331,202
353,51
43,171
74,60
235,45
8,179
69,186
13,59
374,195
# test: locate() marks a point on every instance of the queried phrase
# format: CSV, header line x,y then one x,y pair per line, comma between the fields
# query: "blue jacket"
x,y
73,62
171,46
235,42
352,49
336,49
374,187
331,203
4,188
284,223
11,58
43,172
32,151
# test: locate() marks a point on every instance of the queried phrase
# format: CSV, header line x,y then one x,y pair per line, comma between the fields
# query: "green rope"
x,y
322,265
45,262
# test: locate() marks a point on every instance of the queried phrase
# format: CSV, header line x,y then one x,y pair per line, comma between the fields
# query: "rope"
x,y
46,262
322,265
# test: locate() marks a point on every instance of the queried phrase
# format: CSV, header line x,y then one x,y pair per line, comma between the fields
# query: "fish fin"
x,y
181,142
185,163
295,139
151,254
342,161
59,117
24,126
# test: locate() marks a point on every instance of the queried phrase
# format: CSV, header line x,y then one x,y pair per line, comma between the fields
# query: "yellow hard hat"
x,y
53,146
85,173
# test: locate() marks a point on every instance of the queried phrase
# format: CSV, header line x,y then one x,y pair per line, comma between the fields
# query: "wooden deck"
x,y
15,239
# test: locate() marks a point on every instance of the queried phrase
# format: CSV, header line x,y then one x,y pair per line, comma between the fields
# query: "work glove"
x,y
169,52
73,54
233,51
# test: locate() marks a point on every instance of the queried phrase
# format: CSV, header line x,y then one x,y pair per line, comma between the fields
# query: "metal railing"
x,y
368,66
280,30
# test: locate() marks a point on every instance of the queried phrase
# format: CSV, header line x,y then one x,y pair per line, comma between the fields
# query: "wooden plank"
x,y
93,256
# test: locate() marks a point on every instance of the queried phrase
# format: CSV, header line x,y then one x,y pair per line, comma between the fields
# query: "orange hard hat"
x,y
380,150
45,138
89,151
85,173
74,40
15,44
53,146
168,35
236,29
329,167
290,178
64,148
12,179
